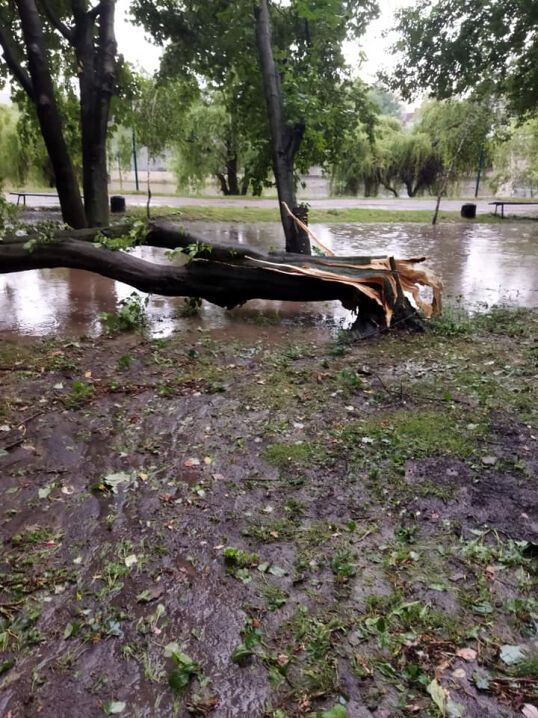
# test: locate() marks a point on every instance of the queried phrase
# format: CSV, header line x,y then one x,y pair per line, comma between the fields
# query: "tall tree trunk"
x,y
285,141
231,173
448,175
97,74
411,191
232,161
42,95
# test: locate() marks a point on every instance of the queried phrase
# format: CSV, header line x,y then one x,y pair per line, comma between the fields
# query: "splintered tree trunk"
x,y
285,141
48,115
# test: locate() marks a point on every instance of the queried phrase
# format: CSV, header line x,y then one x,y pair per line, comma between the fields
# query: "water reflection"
x,y
482,264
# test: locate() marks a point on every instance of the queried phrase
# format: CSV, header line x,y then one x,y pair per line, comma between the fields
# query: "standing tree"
x,y
120,152
12,166
210,144
156,114
391,156
460,130
25,56
387,103
286,137
299,44
31,36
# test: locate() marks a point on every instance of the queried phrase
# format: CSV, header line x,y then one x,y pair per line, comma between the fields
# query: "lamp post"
x,y
479,172
135,161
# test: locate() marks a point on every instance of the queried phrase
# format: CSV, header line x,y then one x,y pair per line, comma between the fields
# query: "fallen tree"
x,y
230,275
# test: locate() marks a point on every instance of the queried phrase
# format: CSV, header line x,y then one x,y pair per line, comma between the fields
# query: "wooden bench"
x,y
24,195
501,203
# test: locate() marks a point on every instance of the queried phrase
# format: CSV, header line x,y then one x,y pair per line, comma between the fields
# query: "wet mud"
x,y
379,499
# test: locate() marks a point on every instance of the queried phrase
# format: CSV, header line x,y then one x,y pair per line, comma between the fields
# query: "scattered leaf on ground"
x,y
113,708
511,654
438,695
113,481
468,654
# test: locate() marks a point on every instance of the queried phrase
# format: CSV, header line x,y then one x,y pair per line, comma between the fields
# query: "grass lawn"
x,y
264,214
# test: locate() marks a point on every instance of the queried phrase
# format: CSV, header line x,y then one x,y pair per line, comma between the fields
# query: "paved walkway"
x,y
396,204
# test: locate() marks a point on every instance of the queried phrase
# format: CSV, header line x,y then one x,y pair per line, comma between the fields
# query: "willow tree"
x,y
515,159
390,156
210,144
11,156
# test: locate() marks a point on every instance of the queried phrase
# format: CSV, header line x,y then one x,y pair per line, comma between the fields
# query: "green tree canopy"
x,y
52,42
452,47
447,136
460,130
392,157
385,101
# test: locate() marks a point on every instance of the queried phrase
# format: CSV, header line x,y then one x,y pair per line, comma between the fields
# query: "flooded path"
x,y
481,265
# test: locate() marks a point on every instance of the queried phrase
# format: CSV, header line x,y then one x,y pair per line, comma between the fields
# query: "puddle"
x,y
481,265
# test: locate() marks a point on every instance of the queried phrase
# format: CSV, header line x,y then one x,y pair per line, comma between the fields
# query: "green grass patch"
x,y
412,433
32,535
283,455
188,213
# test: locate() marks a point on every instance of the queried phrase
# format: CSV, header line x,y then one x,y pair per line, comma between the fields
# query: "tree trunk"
x,y
285,141
411,191
389,188
231,173
48,115
448,174
223,184
97,72
371,187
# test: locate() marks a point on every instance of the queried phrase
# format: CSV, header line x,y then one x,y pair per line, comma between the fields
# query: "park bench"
x,y
117,204
501,203
24,195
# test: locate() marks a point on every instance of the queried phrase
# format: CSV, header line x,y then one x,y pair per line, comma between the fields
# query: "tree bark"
x,y
96,62
231,174
42,95
285,140
389,188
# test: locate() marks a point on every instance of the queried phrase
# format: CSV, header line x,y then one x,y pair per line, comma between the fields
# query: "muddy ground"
x,y
285,524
